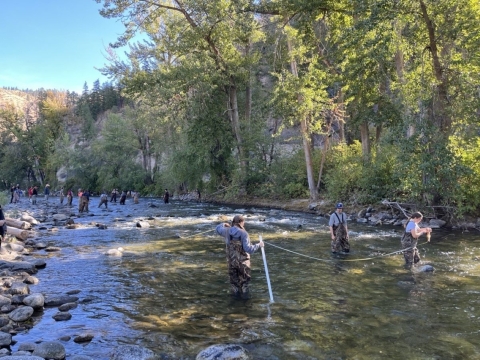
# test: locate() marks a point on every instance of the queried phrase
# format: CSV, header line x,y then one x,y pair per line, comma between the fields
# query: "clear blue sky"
x,y
54,44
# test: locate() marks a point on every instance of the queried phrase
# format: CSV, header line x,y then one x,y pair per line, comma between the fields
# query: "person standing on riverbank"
x,y
62,195
34,195
3,226
339,230
238,251
410,238
166,196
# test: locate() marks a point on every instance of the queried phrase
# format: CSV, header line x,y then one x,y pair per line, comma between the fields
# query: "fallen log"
x,y
19,224
18,233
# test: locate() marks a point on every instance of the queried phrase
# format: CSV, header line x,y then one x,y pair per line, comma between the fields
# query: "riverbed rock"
x,y
36,301
19,289
50,350
83,338
436,223
80,357
4,300
59,300
5,339
29,219
60,217
223,352
426,268
67,306
132,352
62,316
20,314
27,346
18,266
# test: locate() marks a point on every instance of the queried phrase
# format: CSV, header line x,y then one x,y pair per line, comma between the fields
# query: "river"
x,y
169,290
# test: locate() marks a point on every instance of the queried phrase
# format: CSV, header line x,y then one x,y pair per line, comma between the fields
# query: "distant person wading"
x,y
339,230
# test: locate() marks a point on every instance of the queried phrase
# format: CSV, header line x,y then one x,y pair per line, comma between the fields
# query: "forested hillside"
x,y
358,101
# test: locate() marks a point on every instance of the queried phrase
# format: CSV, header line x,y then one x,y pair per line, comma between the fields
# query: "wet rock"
x,y
426,268
67,306
19,289
27,346
80,357
72,226
62,316
49,350
36,301
59,300
132,352
18,266
83,338
39,264
73,292
223,352
4,301
31,280
5,339
40,245
20,314
436,223
52,249
29,219
60,217
16,247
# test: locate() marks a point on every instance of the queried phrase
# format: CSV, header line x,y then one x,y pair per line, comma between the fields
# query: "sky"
x,y
54,44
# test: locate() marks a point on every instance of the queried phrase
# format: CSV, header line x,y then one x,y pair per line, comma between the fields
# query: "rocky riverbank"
x,y
384,213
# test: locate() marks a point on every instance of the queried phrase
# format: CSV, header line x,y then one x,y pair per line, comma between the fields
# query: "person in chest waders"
x,y
410,239
238,251
339,230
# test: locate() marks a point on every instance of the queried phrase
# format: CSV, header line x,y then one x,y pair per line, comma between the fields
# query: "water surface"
x,y
169,292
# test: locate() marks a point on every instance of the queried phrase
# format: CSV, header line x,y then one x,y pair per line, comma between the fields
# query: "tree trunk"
x,y
18,233
304,132
365,139
442,120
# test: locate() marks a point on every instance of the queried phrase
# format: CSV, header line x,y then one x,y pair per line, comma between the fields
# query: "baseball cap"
x,y
339,206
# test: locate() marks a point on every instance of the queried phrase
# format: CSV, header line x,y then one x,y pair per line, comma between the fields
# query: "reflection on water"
x,y
169,292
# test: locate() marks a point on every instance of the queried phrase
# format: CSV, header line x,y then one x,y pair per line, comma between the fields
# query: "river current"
x,y
169,290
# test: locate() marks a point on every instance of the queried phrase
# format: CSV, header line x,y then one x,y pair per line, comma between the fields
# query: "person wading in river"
x,y
238,251
339,230
410,238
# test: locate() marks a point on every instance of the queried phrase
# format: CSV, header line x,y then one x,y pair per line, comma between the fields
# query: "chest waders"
x,y
340,240
238,267
411,255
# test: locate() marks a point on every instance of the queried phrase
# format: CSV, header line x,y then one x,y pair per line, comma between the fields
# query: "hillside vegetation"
x,y
357,102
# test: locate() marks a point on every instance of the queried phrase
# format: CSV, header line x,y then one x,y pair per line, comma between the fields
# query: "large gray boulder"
x,y
20,314
50,350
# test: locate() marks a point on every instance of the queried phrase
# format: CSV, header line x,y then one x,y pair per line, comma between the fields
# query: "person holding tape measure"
x,y
238,251
339,230
410,238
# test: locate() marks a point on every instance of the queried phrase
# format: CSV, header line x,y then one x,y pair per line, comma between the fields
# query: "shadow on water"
x,y
169,290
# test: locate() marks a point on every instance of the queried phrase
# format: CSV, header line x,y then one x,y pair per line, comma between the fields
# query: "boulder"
x,y
223,352
50,350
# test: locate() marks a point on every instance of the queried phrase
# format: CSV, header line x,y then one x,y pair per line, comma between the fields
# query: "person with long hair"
x,y
238,249
410,238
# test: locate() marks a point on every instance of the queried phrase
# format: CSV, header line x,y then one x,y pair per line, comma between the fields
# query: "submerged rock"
x,y
223,352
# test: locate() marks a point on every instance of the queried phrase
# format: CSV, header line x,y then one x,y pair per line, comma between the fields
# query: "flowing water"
x,y
169,290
